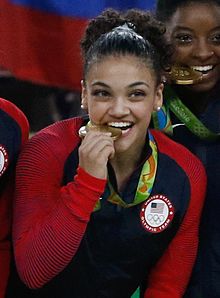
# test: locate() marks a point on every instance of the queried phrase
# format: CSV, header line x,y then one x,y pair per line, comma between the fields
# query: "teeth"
x,y
119,124
202,68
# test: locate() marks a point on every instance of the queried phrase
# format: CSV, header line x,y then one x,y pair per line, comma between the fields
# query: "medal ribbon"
x,y
162,121
145,183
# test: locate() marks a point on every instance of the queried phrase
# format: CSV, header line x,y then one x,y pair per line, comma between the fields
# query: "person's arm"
x,y
13,135
171,274
14,114
50,220
5,230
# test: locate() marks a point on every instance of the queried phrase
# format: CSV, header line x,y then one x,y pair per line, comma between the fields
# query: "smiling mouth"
x,y
203,69
121,125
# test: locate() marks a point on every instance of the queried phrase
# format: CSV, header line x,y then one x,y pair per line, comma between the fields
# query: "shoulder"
x,y
10,113
189,163
46,153
14,133
65,131
54,141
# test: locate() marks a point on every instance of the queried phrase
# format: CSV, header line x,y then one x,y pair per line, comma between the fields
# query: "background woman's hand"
x,y
94,152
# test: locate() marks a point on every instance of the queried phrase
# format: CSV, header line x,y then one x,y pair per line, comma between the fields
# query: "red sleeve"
x,y
7,192
47,216
5,230
170,276
18,116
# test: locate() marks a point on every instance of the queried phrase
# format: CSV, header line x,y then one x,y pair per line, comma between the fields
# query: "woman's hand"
x,y
94,152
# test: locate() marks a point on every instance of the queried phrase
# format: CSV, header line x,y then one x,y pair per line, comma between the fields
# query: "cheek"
x,y
181,54
145,114
217,52
96,111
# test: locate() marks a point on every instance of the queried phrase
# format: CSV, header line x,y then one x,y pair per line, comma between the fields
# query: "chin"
x,y
202,87
121,148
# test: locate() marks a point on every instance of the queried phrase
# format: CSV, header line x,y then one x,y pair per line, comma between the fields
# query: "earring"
x,y
164,80
158,109
82,106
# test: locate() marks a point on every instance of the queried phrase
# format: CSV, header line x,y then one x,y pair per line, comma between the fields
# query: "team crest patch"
x,y
157,213
3,160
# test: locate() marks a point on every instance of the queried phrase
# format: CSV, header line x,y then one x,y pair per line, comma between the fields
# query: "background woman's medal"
x,y
181,75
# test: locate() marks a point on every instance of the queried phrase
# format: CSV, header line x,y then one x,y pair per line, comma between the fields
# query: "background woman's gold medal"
x,y
184,75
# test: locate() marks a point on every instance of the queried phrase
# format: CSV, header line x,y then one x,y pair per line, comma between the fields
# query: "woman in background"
x,y
14,130
192,107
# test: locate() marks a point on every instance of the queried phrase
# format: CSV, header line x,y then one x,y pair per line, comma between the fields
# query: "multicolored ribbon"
x,y
162,120
145,183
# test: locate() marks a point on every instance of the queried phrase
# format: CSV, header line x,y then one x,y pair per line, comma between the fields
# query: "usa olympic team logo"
x,y
3,160
157,213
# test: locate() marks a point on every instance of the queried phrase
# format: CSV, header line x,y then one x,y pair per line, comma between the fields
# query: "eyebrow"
x,y
98,83
139,83
187,28
182,28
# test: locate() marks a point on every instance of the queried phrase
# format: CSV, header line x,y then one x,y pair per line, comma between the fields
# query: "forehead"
x,y
202,16
116,67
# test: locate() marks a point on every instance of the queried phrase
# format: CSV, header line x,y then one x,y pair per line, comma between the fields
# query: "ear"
x,y
158,101
84,96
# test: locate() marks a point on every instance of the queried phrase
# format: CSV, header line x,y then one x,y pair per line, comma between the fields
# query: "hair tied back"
x,y
126,26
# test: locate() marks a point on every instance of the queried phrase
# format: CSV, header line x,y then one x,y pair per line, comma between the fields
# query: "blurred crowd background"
x,y
40,62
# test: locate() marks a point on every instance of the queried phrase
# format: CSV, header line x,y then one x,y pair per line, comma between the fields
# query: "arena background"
x,y
40,62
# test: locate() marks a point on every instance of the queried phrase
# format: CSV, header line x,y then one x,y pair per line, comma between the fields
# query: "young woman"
x,y
193,28
14,131
117,208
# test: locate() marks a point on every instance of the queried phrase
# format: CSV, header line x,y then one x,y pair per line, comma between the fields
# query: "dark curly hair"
x,y
166,8
132,32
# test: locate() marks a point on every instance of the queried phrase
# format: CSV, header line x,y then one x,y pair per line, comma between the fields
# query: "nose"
x,y
119,108
203,50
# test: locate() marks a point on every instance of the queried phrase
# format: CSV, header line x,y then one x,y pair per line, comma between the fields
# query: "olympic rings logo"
x,y
155,219
157,213
3,160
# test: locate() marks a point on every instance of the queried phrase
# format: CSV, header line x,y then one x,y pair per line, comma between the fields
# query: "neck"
x,y
124,165
123,161
197,102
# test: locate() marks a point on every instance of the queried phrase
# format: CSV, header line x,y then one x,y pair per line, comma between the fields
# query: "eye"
x,y
100,93
137,94
183,38
215,38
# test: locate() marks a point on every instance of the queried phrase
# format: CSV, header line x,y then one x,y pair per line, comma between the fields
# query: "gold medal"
x,y
115,132
184,75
